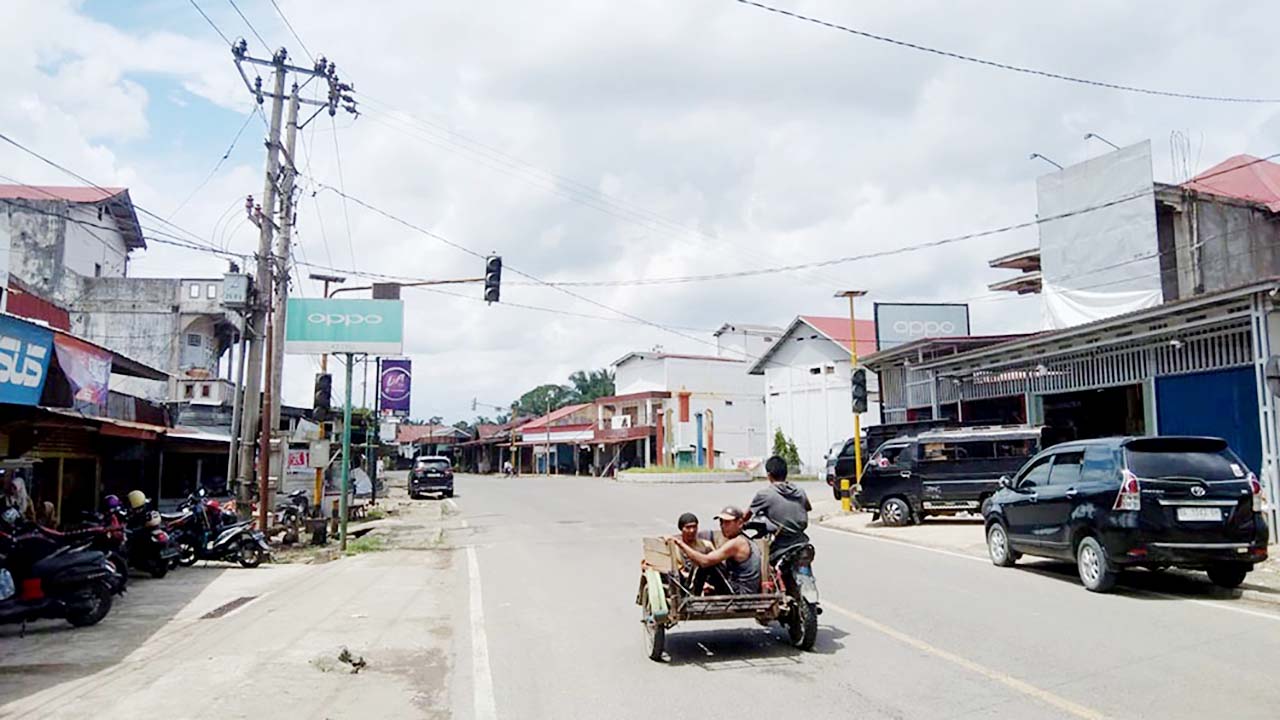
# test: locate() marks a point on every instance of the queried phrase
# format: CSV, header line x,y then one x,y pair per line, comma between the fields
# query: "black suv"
x,y
941,472
430,474
1114,503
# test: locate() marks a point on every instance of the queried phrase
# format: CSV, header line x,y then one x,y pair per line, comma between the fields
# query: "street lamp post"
x,y
845,502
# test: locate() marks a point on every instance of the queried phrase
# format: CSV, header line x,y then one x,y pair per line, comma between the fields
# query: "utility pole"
x,y
846,503
266,316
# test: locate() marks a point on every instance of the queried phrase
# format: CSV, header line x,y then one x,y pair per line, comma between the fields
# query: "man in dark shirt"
x,y
784,505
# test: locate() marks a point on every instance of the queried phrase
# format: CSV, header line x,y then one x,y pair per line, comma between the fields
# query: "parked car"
x,y
941,472
431,474
830,474
1117,503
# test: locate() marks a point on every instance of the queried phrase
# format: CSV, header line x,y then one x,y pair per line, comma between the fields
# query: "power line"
x,y
1006,66
252,29
342,184
216,29
217,166
289,25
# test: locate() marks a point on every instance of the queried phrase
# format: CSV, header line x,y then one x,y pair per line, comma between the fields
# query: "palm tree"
x,y
591,384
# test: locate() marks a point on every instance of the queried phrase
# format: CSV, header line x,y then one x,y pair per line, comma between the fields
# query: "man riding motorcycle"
x,y
784,506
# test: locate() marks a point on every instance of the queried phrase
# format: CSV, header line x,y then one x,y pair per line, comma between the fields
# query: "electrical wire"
x,y
293,32
1006,66
218,165
337,153
252,29
216,29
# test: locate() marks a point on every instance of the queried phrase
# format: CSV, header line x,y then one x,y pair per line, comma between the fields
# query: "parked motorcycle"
x,y
104,533
290,515
150,547
74,584
202,531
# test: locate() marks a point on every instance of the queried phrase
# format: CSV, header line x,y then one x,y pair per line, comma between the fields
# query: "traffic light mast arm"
x,y
423,283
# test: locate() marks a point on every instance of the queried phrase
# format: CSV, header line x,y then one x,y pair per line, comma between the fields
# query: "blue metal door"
x,y
1221,403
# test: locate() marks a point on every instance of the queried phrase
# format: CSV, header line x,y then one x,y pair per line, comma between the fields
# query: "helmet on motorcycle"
x,y
111,501
11,516
153,519
136,499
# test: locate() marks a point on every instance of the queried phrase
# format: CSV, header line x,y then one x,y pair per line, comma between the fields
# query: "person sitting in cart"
x,y
731,569
784,505
700,541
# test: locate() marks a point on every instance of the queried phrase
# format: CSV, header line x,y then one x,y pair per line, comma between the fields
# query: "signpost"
x,y
315,326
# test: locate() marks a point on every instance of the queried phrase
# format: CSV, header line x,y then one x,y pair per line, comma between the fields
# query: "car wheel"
x,y
895,512
835,490
998,546
1228,576
448,493
1095,569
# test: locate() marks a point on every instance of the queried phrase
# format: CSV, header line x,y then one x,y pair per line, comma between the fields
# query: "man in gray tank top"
x,y
734,567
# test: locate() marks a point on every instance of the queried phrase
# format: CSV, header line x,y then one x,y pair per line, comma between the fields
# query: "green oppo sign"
x,y
315,326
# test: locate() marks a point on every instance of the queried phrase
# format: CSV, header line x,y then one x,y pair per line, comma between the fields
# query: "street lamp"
x,y
845,504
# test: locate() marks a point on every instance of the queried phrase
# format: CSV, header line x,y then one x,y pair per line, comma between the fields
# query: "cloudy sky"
x,y
590,140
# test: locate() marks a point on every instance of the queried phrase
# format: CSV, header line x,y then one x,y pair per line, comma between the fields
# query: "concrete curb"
x,y
729,476
825,519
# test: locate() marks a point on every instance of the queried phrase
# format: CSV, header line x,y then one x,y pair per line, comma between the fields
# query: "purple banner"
x,y
89,371
394,381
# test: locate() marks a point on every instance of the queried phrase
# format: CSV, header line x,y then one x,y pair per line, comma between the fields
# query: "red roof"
x,y
75,194
1256,181
24,303
837,329
554,415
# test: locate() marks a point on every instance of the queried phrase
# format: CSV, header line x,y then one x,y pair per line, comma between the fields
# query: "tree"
x,y
546,398
464,426
591,384
785,448
435,420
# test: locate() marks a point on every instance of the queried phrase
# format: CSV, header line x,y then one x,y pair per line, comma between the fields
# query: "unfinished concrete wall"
x,y
1238,244
136,317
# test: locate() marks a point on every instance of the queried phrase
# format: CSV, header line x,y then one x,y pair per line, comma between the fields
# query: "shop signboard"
x,y
315,326
88,370
394,382
24,360
901,323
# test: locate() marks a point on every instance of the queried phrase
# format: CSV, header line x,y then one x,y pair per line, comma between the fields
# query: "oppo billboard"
x,y
901,323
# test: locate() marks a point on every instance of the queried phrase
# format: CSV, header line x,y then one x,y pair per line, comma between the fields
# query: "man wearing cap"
x,y
784,505
734,567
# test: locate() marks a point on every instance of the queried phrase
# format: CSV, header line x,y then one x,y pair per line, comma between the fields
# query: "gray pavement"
x,y
908,632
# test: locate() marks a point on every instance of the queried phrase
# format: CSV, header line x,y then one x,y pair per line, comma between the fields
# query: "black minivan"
x,y
940,472
1114,503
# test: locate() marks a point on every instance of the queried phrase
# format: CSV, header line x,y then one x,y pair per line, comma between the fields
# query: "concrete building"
x,y
700,401
808,385
744,341
64,253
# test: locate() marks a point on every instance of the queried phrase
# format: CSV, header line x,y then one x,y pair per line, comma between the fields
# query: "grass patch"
x,y
366,543
803,478
666,470
375,513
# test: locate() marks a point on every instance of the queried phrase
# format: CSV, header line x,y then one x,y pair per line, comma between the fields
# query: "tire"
x,y
159,569
186,552
84,617
895,512
448,493
1095,569
835,490
802,626
1002,555
250,554
655,633
1228,576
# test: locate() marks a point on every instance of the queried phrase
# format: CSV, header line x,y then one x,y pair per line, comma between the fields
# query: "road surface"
x,y
907,633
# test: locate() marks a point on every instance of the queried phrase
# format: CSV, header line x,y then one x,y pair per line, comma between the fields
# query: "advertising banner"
x,y
24,361
314,326
901,323
88,369
394,381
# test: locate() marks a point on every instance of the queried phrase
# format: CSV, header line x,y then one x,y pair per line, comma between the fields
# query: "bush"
x,y
785,448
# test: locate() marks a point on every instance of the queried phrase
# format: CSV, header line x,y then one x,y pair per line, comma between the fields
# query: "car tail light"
x,y
1259,495
1130,495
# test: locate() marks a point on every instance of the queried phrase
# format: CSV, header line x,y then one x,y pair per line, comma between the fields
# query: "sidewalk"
x,y
964,534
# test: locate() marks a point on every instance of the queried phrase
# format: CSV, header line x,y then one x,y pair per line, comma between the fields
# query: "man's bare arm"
x,y
701,559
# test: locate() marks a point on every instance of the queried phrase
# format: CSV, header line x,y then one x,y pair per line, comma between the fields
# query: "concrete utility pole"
x,y
273,272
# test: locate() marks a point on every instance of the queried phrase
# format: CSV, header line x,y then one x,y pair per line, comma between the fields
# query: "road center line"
x,y
481,675
1005,679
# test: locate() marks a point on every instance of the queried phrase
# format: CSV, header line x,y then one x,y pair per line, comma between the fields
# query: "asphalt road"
x,y
546,627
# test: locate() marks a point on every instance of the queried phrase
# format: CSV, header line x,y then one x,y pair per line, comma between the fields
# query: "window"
x,y
204,391
97,269
885,456
1099,465
815,371
962,450
194,291
211,291
1204,459
194,340
829,370
1066,468
188,390
768,340
1037,475
728,403
1016,448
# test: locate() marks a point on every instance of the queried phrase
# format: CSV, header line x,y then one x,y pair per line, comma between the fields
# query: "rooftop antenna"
x,y
1096,136
1038,156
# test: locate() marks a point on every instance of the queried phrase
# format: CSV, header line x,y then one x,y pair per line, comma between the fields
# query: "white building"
x,y
729,401
745,341
807,383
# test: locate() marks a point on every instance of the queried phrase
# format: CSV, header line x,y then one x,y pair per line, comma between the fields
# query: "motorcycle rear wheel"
x,y
802,623
186,553
250,554
159,569
98,608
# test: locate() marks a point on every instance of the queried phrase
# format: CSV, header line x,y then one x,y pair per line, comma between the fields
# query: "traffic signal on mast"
x,y
492,277
323,399
860,390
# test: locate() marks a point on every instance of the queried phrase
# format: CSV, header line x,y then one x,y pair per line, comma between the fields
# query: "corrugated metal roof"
x,y
1244,177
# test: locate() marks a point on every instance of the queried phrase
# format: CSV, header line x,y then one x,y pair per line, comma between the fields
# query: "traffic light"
x,y
492,277
323,396
859,390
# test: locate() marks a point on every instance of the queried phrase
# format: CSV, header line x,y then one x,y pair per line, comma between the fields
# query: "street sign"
x,y
901,323
395,378
315,326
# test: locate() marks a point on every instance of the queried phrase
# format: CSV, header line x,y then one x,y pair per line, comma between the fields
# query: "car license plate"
x,y
1199,514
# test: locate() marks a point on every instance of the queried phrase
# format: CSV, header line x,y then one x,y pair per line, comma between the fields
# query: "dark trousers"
x,y
713,576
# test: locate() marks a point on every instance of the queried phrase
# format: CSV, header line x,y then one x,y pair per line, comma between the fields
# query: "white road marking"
x,y
1005,679
1205,603
481,675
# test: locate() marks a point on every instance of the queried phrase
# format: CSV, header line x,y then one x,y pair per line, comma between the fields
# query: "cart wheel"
x,y
655,633
802,625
